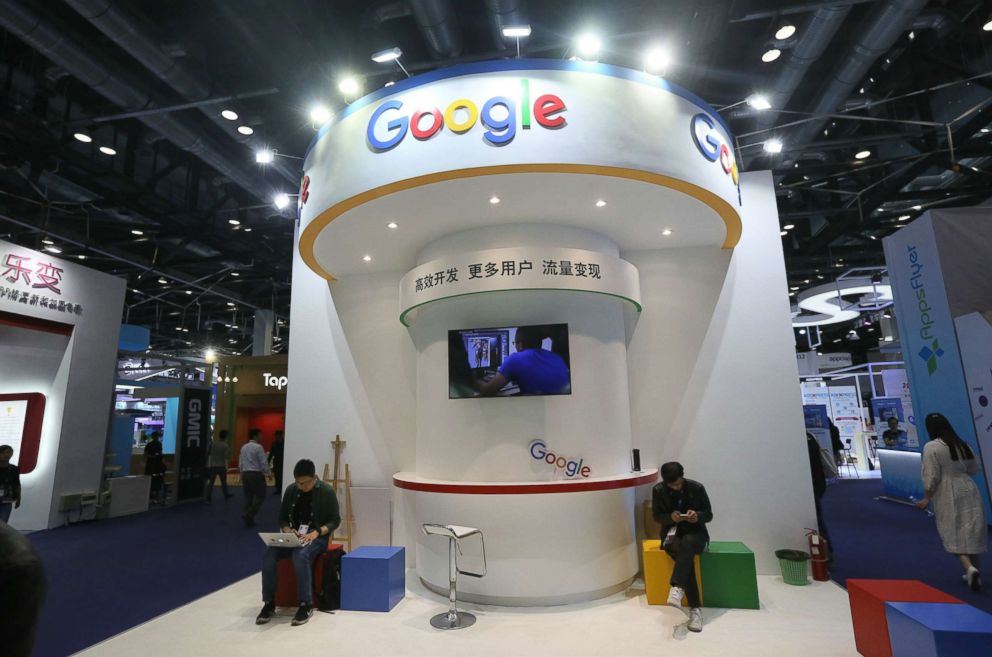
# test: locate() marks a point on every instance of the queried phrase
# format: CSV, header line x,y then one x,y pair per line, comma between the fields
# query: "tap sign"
x,y
499,118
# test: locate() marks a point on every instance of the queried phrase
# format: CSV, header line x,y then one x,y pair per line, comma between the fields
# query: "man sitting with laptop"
x,y
308,517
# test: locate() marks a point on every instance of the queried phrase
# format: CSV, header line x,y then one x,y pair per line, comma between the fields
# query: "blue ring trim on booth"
x,y
500,65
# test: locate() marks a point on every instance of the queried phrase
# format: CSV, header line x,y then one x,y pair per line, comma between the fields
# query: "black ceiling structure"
x,y
184,213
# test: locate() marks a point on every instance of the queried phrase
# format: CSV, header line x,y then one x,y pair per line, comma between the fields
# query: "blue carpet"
x,y
107,576
876,539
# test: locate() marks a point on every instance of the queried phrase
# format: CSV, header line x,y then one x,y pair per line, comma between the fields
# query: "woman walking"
x,y
948,464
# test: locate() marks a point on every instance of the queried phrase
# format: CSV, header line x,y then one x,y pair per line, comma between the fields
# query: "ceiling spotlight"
x,y
390,83
107,150
189,292
47,241
493,200
230,303
234,222
773,146
280,200
860,155
83,137
209,355
319,114
393,225
367,258
771,55
247,230
81,256
788,227
666,232
785,32
53,249
230,115
793,288
234,273
911,35
783,232
600,203
802,331
162,281
391,54
265,155
588,45
246,129
758,102
516,31
987,27
985,130
349,86
903,217
234,379
137,232
657,60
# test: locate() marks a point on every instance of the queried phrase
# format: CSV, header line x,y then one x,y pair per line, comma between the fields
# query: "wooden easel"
x,y
347,518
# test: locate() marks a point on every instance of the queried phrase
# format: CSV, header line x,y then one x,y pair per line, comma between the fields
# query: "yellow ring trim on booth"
x,y
726,211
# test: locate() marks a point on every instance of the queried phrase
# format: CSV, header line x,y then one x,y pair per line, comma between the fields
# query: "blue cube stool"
x,y
937,629
372,578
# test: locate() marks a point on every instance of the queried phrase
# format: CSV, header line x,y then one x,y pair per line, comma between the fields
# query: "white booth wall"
x,y
711,376
75,373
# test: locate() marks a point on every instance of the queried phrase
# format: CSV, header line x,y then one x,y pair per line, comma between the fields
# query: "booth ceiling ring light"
x,y
825,303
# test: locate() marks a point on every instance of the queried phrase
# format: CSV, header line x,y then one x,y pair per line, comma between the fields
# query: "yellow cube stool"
x,y
658,568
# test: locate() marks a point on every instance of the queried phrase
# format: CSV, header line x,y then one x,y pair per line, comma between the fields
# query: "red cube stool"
x,y
868,598
286,578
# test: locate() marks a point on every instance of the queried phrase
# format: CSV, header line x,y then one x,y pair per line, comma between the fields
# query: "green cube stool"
x,y
729,577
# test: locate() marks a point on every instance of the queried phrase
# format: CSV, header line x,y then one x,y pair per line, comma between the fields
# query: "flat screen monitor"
x,y
509,361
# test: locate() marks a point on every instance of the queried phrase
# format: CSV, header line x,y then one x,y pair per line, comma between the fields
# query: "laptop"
x,y
281,540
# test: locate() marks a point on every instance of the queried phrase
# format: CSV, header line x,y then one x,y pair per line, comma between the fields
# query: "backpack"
x,y
329,593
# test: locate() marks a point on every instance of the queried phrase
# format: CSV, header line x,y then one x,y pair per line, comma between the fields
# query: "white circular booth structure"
x,y
507,191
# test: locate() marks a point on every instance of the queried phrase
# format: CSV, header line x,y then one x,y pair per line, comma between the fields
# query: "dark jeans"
x,y
253,484
822,526
213,473
302,563
5,509
683,550
277,473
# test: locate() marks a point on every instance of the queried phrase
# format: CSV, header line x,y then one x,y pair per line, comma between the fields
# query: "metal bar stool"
x,y
454,619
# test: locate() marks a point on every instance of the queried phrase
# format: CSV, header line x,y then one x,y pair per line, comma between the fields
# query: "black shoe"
x,y
303,614
265,615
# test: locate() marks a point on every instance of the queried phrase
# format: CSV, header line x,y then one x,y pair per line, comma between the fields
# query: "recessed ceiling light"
x,y
234,273
189,292
81,256
785,32
911,35
246,129
984,130
230,115
600,203
493,200
987,27
390,83
789,226
162,281
904,217
83,137
917,207
53,249
392,224
793,288
137,232
860,155
666,232
367,258
783,232
802,331
234,222
247,230
47,241
107,150
771,55
230,303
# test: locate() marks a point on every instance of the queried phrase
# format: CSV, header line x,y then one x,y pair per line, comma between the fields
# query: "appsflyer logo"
x,y
930,355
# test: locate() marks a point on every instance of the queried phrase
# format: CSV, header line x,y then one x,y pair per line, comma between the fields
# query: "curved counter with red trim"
x,y
414,482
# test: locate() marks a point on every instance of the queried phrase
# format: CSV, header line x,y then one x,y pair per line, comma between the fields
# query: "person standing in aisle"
x,y
254,468
819,476
276,459
10,484
218,456
155,466
682,508
23,587
948,464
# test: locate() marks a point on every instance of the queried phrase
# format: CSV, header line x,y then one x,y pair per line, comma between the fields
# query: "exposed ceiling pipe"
x,y
883,27
438,25
501,14
53,40
815,38
137,38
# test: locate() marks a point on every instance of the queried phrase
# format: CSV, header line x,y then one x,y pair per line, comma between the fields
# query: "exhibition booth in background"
x,y
251,394
59,325
603,205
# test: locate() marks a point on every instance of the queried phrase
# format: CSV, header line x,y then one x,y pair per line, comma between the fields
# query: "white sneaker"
x,y
675,597
695,619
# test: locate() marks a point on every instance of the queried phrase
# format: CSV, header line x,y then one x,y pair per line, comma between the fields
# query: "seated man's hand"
x,y
676,516
693,517
307,539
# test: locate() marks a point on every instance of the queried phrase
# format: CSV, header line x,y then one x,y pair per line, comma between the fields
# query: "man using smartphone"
x,y
310,511
682,508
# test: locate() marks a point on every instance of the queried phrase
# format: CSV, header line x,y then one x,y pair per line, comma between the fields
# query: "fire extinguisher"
x,y
818,555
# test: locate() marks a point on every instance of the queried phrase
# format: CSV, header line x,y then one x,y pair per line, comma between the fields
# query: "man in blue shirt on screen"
x,y
536,371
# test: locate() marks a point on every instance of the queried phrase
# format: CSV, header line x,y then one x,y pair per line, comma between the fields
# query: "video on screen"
x,y
509,362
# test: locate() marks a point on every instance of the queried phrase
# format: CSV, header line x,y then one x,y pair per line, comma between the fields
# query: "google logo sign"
x,y
712,145
461,115
539,452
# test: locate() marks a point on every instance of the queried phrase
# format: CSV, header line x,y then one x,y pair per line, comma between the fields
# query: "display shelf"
x,y
413,481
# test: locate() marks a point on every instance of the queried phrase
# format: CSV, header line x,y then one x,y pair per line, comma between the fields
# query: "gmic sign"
x,y
712,144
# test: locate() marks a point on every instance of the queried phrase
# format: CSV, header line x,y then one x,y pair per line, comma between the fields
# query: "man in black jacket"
x,y
682,508
22,592
309,510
